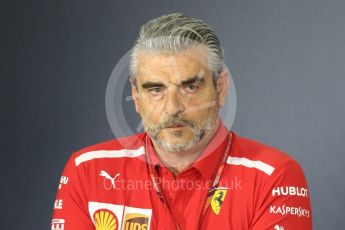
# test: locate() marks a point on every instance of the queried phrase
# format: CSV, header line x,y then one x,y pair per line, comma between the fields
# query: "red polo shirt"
x,y
108,186
192,183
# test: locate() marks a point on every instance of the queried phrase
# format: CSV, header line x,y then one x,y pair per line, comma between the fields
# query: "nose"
x,y
174,103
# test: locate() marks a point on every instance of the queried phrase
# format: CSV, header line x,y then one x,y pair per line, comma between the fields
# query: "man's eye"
x,y
192,88
156,91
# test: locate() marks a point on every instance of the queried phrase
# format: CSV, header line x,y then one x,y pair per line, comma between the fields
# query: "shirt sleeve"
x,y
70,207
284,201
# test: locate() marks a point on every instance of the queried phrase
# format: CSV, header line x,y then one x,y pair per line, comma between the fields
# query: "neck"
x,y
176,162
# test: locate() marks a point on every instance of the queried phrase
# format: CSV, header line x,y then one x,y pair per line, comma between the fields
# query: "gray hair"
x,y
174,33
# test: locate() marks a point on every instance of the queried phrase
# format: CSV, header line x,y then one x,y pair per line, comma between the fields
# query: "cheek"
x,y
202,105
201,115
148,111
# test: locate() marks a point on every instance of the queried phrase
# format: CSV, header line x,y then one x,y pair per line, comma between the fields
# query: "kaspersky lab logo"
x,y
136,221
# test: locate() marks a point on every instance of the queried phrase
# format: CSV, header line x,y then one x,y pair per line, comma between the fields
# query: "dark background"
x,y
287,58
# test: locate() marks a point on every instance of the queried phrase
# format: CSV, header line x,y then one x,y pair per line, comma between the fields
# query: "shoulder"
x,y
260,156
124,147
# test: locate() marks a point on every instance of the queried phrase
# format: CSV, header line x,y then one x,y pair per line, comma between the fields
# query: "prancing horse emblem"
x,y
218,200
108,177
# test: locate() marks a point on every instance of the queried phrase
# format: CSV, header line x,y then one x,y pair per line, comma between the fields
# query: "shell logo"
x,y
105,220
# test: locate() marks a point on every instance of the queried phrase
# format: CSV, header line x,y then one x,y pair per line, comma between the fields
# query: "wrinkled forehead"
x,y
174,65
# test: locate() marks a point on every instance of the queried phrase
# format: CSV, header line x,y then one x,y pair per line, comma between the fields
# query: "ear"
x,y
222,87
135,95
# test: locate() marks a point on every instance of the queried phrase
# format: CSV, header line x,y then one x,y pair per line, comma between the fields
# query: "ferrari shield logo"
x,y
217,200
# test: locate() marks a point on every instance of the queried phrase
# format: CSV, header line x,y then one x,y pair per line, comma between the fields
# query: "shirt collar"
x,y
208,159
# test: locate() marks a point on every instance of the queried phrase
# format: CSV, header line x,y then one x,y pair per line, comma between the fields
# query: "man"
x,y
187,171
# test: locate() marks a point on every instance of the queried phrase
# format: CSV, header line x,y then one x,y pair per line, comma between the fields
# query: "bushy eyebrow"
x,y
195,79
150,84
189,81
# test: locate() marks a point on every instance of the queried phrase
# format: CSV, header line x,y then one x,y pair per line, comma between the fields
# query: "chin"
x,y
178,145
177,140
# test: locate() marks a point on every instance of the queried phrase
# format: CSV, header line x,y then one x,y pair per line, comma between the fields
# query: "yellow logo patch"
x,y
105,220
136,221
217,200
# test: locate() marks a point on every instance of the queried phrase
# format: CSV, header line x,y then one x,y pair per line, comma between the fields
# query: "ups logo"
x,y
136,221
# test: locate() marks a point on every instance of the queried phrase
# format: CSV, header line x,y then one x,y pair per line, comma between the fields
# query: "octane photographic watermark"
x,y
187,185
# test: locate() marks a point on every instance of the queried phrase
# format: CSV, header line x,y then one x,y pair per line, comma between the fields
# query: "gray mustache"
x,y
176,121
